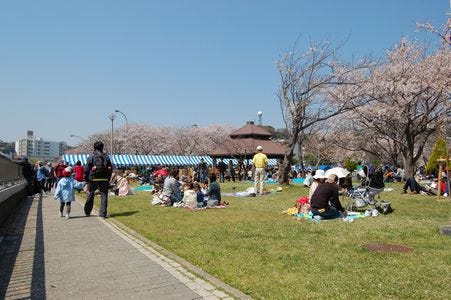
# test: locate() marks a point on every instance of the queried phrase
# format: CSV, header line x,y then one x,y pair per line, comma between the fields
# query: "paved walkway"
x,y
45,256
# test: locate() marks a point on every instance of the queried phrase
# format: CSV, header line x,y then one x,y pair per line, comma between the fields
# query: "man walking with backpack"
x,y
98,171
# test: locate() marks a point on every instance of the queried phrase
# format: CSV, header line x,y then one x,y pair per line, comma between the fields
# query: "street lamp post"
x,y
76,136
112,116
126,126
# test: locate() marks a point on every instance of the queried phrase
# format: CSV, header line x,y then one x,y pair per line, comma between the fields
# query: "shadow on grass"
x,y
124,214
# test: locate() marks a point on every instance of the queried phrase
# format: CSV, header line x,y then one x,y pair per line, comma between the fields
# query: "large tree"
x,y
411,93
315,86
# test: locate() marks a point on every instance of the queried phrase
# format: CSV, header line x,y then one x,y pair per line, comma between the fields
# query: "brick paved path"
x,y
45,256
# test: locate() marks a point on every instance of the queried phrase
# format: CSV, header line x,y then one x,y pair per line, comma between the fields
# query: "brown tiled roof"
x,y
251,130
247,147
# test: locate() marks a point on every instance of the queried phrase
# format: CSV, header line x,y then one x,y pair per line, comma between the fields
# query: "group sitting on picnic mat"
x,y
323,201
187,193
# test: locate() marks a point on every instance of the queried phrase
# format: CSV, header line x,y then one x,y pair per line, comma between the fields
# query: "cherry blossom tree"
x,y
443,33
316,86
411,93
148,140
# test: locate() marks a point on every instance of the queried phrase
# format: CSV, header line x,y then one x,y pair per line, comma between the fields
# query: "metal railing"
x,y
10,173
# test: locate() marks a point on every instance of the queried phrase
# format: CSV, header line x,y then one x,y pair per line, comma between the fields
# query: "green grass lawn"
x,y
255,248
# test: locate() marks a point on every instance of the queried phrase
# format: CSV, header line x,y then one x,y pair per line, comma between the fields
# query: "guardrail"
x,y
10,173
12,187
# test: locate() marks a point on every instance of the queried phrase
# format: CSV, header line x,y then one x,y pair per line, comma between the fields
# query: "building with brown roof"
x,y
245,140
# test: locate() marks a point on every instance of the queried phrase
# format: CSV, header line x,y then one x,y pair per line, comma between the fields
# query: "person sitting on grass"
x,y
171,187
199,194
318,178
415,187
122,186
213,192
325,202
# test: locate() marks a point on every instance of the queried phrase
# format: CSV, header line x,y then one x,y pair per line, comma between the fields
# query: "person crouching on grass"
x,y
65,191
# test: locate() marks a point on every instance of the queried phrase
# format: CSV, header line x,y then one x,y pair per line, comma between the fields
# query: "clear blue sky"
x,y
66,65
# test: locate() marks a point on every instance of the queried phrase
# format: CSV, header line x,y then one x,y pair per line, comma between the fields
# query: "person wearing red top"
x,y
59,171
161,171
79,171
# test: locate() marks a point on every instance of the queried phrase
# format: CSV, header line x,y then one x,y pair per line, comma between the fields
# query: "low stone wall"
x,y
10,198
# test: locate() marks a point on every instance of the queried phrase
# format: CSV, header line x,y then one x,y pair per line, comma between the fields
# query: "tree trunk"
x,y
286,166
409,166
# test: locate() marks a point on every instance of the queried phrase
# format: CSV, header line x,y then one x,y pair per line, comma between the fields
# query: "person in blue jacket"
x,y
65,191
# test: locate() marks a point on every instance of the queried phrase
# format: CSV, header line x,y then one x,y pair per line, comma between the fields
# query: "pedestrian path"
x,y
45,256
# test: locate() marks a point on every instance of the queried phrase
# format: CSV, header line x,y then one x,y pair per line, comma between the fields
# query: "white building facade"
x,y
39,148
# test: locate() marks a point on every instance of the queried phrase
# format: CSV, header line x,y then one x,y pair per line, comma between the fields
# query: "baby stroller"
x,y
364,197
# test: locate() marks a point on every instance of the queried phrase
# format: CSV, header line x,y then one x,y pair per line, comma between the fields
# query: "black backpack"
x,y
99,169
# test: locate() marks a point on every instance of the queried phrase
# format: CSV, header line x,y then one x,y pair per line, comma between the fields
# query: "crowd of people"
x,y
199,187
180,190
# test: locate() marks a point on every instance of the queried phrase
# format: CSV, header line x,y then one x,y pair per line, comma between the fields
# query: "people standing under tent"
x,y
202,170
49,183
260,161
222,167
98,172
231,171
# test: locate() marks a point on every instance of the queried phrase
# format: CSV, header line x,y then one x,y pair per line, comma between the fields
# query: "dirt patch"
x,y
387,248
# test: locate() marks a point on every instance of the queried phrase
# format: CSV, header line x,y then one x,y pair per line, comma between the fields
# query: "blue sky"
x,y
66,65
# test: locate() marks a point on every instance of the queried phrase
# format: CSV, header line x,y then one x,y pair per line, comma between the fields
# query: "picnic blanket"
x,y
351,216
145,188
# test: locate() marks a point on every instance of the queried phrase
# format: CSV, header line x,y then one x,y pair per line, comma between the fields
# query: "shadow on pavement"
x,y
22,269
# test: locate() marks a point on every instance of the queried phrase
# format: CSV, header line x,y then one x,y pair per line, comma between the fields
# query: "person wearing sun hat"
x,y
260,162
318,178
325,201
64,191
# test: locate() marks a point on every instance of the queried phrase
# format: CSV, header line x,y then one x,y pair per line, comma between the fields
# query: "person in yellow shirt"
x,y
260,162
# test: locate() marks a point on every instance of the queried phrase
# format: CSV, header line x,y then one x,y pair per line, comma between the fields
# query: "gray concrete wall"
x,y
10,198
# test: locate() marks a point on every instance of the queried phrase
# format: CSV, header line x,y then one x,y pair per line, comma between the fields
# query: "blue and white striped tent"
x,y
121,160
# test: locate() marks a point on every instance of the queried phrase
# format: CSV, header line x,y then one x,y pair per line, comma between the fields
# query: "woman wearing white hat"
x,y
319,178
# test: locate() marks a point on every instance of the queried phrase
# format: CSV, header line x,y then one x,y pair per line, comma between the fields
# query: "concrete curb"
x,y
146,243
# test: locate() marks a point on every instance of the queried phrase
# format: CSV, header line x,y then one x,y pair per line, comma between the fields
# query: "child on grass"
x,y
65,191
